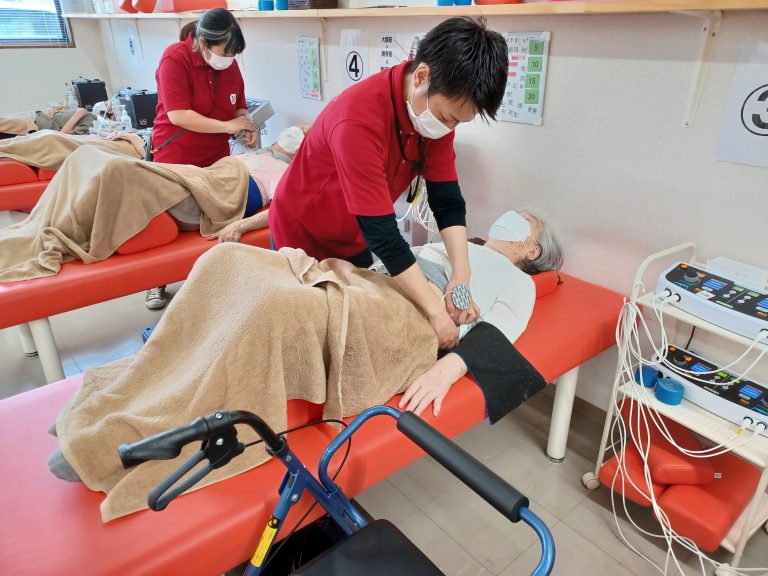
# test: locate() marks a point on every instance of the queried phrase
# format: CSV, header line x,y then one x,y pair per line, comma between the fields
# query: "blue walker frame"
x,y
219,428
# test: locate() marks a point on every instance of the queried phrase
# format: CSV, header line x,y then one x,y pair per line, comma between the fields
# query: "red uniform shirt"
x,y
186,82
350,164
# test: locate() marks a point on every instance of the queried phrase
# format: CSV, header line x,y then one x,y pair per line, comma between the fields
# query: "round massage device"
x,y
461,296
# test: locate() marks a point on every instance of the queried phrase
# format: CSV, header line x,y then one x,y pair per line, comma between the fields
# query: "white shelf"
x,y
718,430
527,9
704,423
700,421
732,538
671,311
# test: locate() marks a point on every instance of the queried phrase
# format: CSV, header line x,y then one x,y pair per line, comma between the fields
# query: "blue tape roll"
x,y
669,391
650,376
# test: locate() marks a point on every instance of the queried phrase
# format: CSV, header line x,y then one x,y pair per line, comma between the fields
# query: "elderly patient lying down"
x,y
283,326
266,167
49,149
59,118
99,199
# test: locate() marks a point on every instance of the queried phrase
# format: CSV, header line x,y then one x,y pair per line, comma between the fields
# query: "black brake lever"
x,y
219,450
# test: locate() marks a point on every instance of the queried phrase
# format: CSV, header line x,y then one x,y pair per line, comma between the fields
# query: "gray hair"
x,y
551,254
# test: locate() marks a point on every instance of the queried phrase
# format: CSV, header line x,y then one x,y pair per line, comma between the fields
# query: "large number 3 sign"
x,y
754,111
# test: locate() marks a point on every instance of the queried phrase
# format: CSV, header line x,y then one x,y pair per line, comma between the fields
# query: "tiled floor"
x,y
457,530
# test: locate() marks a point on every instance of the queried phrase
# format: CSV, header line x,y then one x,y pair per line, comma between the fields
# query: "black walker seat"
x,y
377,549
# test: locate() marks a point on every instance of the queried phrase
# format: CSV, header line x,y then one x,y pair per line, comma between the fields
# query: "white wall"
x,y
34,77
613,167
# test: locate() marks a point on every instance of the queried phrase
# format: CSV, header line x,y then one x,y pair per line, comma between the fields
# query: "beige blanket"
x,y
250,329
99,199
49,149
17,123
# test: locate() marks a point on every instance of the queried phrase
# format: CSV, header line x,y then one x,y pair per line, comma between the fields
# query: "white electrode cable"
x,y
761,337
629,329
629,324
660,351
667,534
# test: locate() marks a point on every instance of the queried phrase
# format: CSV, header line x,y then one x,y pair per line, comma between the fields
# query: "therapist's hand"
x,y
251,139
238,124
445,329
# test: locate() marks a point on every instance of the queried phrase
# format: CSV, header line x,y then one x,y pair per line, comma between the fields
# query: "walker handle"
x,y
163,446
167,445
487,484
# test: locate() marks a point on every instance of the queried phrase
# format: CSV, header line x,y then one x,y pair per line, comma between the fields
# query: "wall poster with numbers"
x,y
524,97
309,67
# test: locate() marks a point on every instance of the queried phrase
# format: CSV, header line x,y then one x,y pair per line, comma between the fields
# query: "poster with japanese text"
x,y
526,77
397,48
309,67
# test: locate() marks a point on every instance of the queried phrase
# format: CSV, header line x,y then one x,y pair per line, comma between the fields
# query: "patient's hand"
x,y
52,110
136,140
230,233
432,386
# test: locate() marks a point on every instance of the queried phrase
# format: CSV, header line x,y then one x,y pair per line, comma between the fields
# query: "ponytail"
x,y
187,29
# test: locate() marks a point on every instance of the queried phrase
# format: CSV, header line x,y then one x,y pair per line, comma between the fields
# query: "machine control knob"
x,y
680,359
691,276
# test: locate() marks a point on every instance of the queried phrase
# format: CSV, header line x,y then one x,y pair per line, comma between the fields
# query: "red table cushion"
x,y
706,513
667,464
161,230
45,175
546,283
212,530
21,197
78,285
13,172
631,479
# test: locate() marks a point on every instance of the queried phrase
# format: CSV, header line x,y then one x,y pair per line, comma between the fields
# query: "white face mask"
x,y
512,227
426,123
218,62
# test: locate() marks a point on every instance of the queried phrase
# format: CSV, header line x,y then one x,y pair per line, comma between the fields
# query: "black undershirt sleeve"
x,y
447,204
384,239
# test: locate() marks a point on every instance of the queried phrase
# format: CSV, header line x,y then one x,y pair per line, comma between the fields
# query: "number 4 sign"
x,y
354,56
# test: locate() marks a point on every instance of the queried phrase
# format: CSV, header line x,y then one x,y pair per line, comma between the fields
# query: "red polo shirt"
x,y
185,82
350,164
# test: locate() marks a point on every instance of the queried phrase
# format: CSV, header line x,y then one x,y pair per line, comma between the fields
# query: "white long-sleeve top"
x,y
504,293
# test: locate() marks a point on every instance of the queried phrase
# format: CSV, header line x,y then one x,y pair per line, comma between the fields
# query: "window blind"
x,y
33,23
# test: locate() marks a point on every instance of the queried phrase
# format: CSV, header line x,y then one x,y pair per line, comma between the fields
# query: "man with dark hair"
x,y
370,143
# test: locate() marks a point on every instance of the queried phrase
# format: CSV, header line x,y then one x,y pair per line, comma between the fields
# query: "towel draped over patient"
x,y
49,148
250,330
19,123
100,199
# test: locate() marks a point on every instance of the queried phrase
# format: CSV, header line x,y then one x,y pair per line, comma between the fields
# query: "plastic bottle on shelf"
x,y
125,120
69,97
